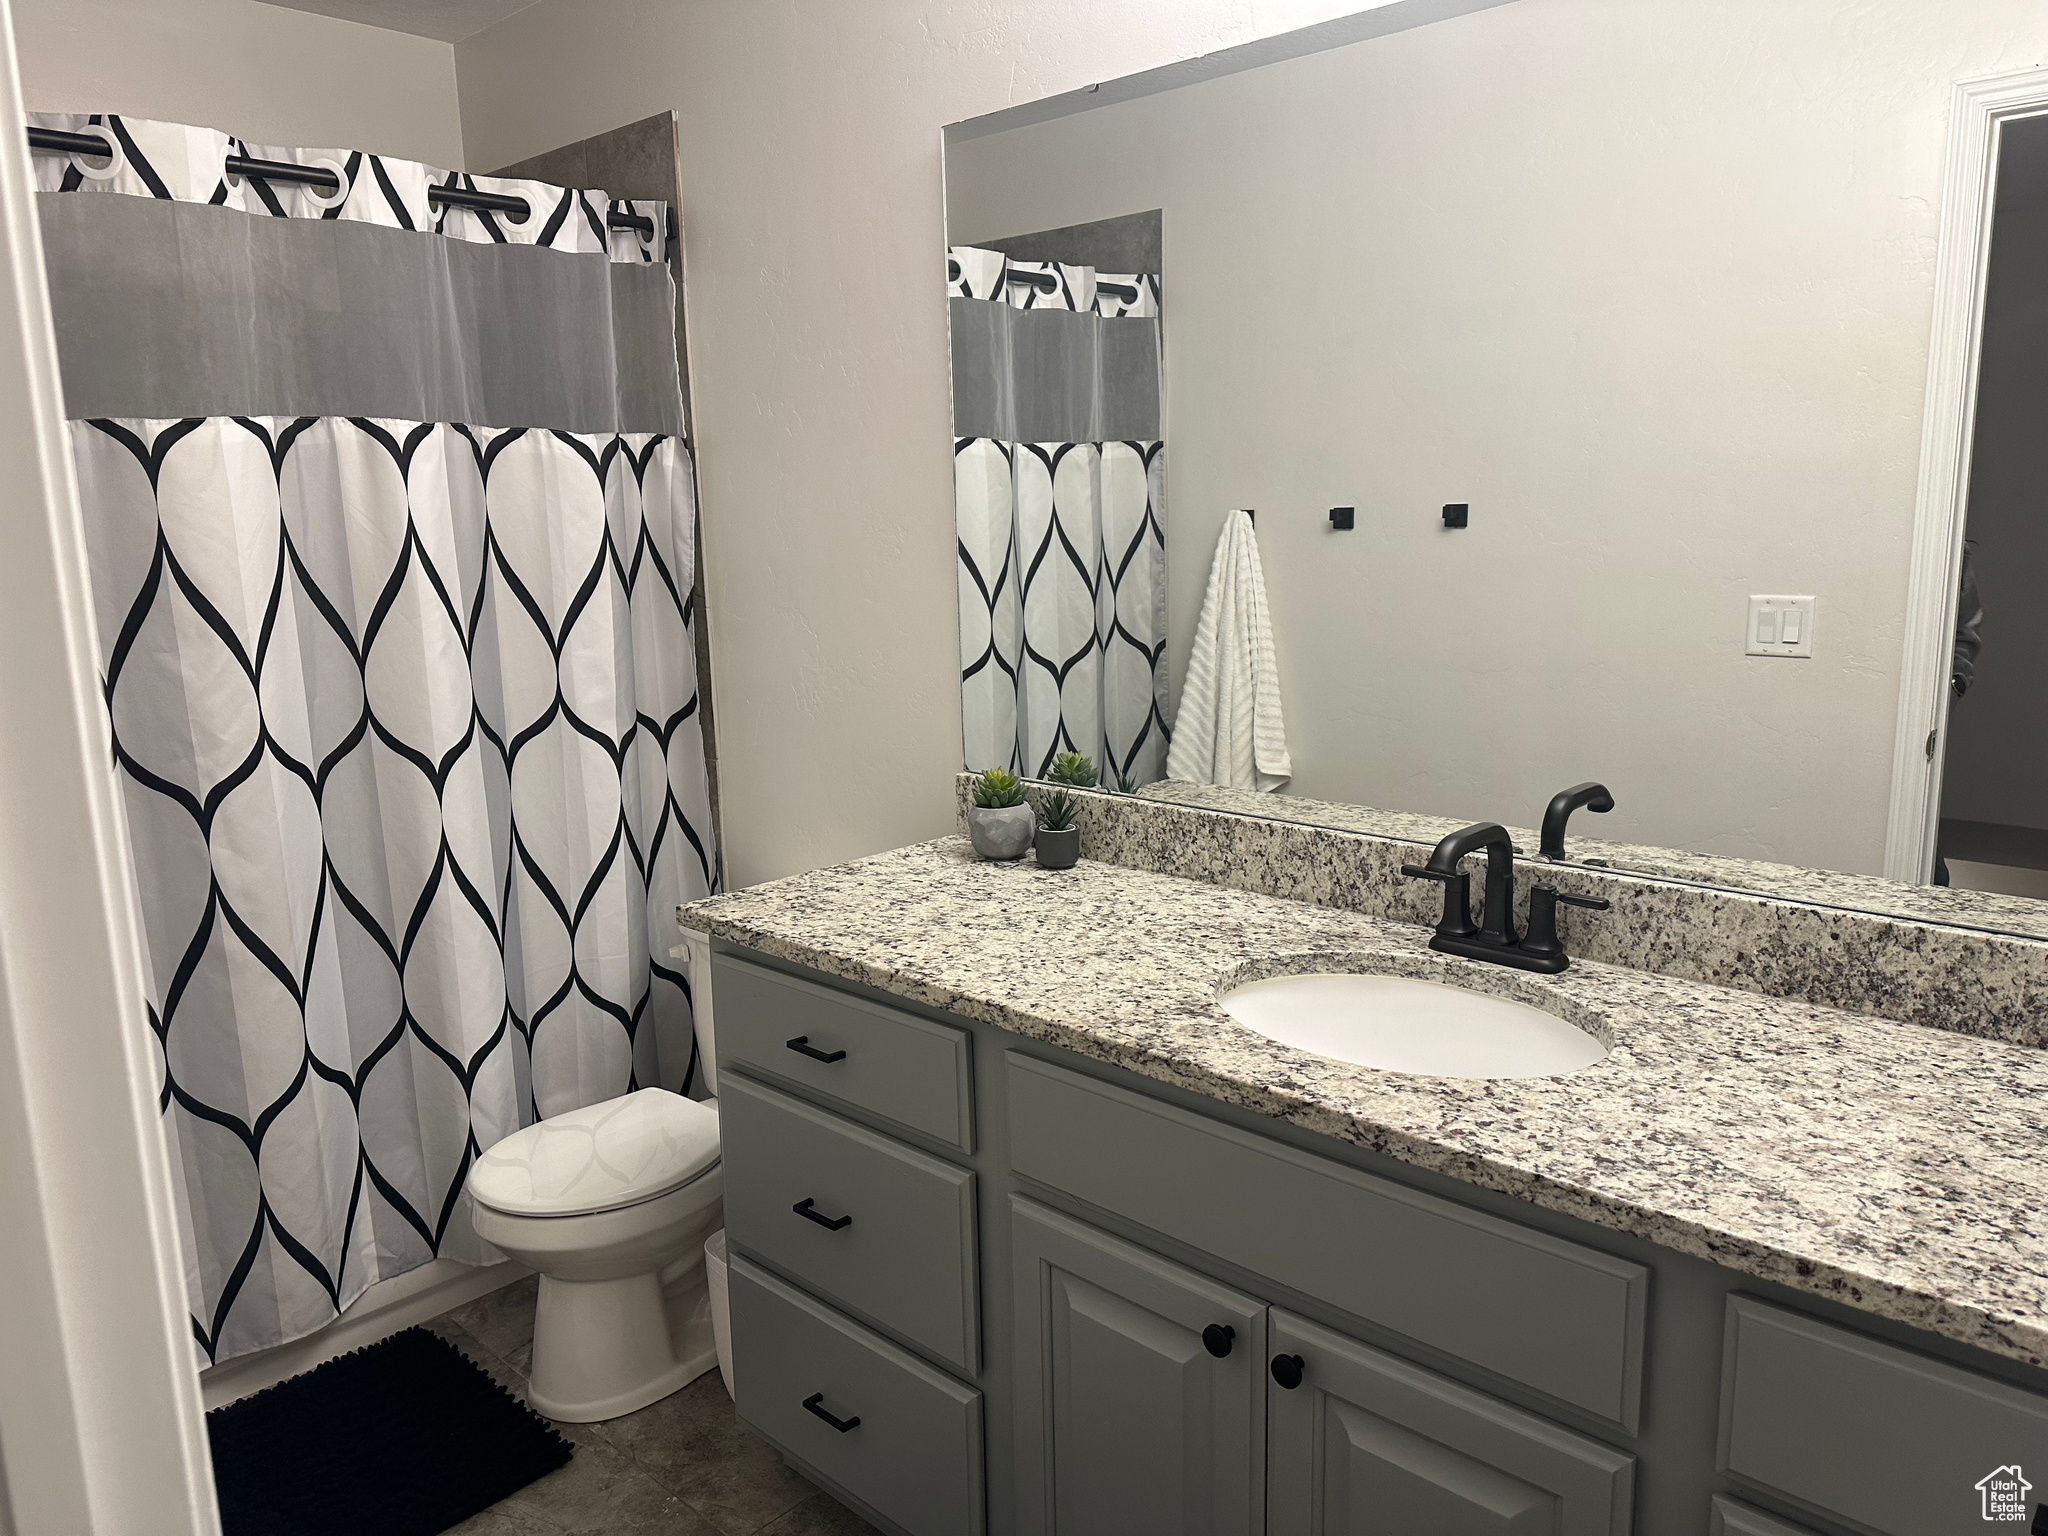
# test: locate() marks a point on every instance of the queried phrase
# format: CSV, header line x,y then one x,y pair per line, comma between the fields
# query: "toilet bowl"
x,y
610,1205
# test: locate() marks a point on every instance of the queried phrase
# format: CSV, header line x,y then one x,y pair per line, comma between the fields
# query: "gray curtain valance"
x,y
190,293
1053,376
1045,352
167,309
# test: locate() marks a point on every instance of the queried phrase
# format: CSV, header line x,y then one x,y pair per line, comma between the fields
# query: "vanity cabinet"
x,y
979,1284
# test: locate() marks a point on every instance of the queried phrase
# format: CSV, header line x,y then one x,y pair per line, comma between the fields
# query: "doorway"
x,y
1991,833
1993,825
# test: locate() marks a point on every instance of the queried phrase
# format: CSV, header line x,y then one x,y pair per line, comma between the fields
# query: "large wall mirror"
x,y
1573,358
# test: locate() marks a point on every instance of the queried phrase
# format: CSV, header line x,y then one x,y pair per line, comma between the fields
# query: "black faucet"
x,y
1594,797
1496,940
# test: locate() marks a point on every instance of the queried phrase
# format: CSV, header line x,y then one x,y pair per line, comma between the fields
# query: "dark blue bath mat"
x,y
405,1438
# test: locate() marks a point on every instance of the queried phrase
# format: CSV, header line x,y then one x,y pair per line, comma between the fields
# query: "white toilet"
x,y
611,1204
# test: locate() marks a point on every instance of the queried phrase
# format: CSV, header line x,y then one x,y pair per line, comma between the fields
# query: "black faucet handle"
x,y
1541,942
1457,919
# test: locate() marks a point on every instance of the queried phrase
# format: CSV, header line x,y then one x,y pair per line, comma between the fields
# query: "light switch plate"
x,y
1779,626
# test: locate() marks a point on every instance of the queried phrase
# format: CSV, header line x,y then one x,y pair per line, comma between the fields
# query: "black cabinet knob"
x,y
1217,1339
1287,1370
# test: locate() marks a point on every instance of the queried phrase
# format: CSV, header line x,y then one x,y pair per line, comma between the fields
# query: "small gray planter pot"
x,y
1058,850
1002,831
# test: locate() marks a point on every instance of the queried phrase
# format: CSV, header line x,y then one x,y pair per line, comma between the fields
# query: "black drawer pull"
x,y
1287,1370
1217,1337
802,1045
806,1209
813,1404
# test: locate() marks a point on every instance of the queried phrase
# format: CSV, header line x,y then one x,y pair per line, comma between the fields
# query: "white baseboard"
x,y
388,1307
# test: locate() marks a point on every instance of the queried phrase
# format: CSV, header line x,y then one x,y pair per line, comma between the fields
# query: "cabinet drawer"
x,y
905,1069
915,1453
1366,1442
1564,1320
903,1253
1893,1440
1733,1519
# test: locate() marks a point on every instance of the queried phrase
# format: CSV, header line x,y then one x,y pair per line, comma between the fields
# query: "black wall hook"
x,y
1342,517
1456,514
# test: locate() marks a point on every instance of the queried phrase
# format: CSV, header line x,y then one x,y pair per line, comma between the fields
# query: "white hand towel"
x,y
1229,729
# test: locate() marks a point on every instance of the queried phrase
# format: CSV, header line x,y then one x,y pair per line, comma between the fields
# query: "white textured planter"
x,y
1003,831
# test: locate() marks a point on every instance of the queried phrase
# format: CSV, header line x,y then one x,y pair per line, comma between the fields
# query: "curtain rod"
x,y
1045,282
53,141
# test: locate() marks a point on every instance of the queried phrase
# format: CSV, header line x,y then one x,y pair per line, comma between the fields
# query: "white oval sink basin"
x,y
1398,1024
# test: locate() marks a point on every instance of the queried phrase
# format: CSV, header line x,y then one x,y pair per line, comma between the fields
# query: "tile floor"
x,y
686,1466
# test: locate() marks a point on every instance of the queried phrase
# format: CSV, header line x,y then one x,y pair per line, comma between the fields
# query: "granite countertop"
x,y
1988,911
1893,1168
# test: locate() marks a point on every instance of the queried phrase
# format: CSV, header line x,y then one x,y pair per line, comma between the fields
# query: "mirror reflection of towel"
x,y
1229,729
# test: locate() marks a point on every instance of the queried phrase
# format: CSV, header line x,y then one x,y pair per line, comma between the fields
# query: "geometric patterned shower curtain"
x,y
1062,543
405,716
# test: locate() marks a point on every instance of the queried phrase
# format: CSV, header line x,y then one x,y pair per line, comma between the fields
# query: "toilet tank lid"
x,y
598,1158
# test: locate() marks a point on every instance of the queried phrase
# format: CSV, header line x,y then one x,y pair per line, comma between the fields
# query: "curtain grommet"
x,y
117,162
341,191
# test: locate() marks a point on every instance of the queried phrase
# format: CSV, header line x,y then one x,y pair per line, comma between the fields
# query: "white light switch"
x,y
1780,626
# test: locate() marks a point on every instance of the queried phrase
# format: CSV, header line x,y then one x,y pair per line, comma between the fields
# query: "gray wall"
x,y
1649,285
1129,243
1997,765
271,75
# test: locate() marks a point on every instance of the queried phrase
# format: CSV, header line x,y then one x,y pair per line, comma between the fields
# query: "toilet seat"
x,y
601,1158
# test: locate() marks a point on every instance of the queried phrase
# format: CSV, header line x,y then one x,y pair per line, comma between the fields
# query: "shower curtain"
x,y
1059,507
390,517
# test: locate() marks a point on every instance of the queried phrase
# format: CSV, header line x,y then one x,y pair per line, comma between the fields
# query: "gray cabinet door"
x,y
1127,1423
1370,1445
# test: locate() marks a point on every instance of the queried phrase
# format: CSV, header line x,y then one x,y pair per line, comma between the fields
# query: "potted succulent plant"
x,y
1075,769
1058,840
1000,824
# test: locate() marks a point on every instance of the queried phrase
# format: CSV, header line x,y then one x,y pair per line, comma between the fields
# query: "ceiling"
x,y
449,20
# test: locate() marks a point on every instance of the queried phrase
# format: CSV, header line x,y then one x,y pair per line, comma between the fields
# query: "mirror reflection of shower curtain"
x,y
1059,503
389,516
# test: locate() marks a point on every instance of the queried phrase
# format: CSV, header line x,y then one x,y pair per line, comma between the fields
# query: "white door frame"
x,y
1979,113
100,1422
